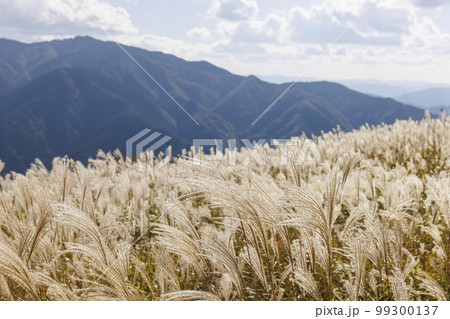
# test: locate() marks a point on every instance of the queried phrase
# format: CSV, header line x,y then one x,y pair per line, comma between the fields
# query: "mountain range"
x,y
432,98
75,96
392,89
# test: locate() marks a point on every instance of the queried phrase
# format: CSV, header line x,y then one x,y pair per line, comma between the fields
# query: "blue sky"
x,y
393,40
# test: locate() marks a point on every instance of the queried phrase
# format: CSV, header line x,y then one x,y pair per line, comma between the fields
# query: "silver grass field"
x,y
367,217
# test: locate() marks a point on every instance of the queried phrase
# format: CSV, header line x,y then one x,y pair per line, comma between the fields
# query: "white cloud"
x,y
398,34
177,47
324,24
200,32
394,33
286,51
63,17
269,30
388,23
234,10
353,7
430,3
227,28
426,34
385,21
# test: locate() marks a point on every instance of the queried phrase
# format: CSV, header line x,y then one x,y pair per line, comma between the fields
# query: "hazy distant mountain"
x,y
280,79
389,88
427,98
77,96
437,110
370,86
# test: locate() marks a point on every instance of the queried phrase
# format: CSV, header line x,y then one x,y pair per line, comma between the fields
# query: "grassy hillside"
x,y
363,215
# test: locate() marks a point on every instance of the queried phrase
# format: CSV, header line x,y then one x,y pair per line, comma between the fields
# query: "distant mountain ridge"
x,y
79,95
372,87
429,98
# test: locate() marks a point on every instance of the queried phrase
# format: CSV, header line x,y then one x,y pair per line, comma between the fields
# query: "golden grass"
x,y
366,216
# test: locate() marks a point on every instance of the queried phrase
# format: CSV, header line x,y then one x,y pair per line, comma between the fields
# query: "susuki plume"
x,y
363,215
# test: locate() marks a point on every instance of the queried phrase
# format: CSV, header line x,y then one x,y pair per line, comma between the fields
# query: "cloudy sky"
x,y
389,40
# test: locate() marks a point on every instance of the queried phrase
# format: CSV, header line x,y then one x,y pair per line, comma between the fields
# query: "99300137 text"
x,y
393,310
